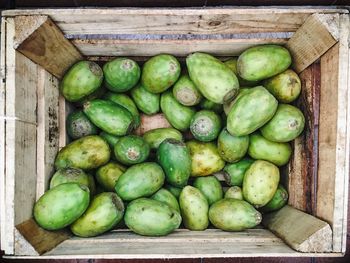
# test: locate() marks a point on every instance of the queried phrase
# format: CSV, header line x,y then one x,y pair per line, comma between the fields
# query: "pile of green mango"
x,y
238,123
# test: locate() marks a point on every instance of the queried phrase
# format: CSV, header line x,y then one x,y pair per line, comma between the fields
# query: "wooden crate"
x,y
37,46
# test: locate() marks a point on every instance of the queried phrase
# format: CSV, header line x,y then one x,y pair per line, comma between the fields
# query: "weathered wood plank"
x,y
48,128
301,170
313,39
64,108
45,44
151,122
309,234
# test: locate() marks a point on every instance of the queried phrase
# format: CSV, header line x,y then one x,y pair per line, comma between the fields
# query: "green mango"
x,y
121,74
109,116
127,103
82,79
228,105
234,172
232,148
146,101
278,200
212,77
251,111
131,149
174,157
155,137
185,92
110,139
69,175
209,105
85,153
277,153
285,86
262,62
194,208
165,196
95,95
160,72
61,205
260,183
232,64
210,187
205,125
233,215
178,115
150,217
108,175
205,158
104,213
140,180
176,191
286,125
78,125
234,192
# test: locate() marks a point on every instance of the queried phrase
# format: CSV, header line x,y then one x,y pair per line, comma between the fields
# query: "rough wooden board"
x,y
219,47
22,246
48,128
46,46
41,239
177,21
64,108
151,122
299,230
301,170
313,39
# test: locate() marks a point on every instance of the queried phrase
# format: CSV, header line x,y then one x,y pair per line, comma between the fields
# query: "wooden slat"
x,y
299,230
219,47
64,108
333,172
45,44
48,128
175,21
301,170
41,239
313,39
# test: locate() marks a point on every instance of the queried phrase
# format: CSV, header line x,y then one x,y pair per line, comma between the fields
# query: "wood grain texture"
x,y
46,45
301,171
309,234
313,39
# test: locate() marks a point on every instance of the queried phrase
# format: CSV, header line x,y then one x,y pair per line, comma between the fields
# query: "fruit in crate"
x,y
234,172
108,175
210,187
156,136
186,92
146,101
165,196
131,149
205,125
234,192
278,200
232,148
69,175
79,125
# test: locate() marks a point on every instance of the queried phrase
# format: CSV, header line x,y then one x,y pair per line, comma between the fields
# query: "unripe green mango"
x,y
194,208
126,102
251,111
176,191
175,159
110,139
210,187
165,196
228,105
261,62
131,149
155,137
85,153
140,180
105,212
285,86
178,115
232,148
277,153
95,95
260,183
69,175
233,215
234,192
121,74
109,116
232,64
286,125
150,217
82,79
160,72
146,101
108,175
78,125
61,205
234,172
185,92
209,105
278,200
212,77
205,125
205,158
